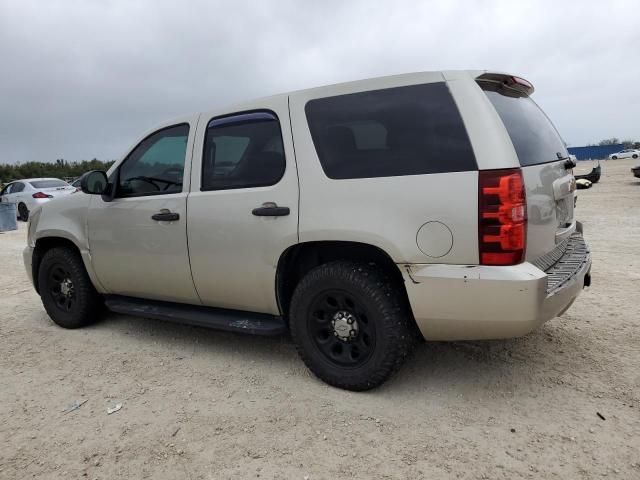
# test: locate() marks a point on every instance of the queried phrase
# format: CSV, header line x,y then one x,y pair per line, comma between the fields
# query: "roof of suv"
x,y
399,78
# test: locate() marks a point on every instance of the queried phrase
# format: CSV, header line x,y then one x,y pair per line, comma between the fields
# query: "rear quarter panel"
x,y
386,212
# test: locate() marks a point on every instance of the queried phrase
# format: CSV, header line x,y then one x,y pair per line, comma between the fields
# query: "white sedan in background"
x,y
629,153
31,192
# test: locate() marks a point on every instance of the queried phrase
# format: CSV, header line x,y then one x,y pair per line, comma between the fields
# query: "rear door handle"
x,y
165,216
270,209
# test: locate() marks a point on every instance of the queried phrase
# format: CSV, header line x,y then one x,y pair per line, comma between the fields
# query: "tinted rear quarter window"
x,y
412,130
534,137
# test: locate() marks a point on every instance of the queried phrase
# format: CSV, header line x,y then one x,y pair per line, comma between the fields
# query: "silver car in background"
x,y
28,193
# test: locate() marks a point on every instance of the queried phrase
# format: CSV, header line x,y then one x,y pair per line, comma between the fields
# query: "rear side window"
x,y
17,187
243,151
48,184
534,137
411,130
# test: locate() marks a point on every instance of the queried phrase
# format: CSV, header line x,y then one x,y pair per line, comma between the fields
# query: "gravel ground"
x,y
562,402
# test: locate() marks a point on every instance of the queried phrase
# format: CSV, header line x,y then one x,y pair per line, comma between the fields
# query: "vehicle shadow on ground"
x,y
553,350
433,364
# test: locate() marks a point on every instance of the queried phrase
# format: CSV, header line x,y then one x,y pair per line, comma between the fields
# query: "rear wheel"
x,y
23,212
67,293
351,325
635,155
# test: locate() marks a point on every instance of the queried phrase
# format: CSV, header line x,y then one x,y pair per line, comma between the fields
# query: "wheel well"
x,y
43,245
299,259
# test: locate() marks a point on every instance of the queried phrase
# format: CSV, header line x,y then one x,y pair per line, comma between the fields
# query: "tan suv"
x,y
359,217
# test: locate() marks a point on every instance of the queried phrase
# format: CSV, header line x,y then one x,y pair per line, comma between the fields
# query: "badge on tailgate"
x,y
564,186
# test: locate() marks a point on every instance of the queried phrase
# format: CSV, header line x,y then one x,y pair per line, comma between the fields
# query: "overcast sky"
x,y
84,79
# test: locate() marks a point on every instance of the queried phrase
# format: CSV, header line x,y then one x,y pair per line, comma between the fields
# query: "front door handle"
x,y
165,216
270,209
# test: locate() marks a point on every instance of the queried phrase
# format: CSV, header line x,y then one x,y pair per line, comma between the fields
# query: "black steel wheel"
x,y
351,324
67,293
61,287
340,327
23,212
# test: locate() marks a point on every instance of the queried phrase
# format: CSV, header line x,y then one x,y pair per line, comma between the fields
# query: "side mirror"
x,y
94,182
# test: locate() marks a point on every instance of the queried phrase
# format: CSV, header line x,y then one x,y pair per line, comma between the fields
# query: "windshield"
x,y
48,184
533,135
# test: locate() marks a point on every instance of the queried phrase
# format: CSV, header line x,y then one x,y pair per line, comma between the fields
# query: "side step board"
x,y
218,318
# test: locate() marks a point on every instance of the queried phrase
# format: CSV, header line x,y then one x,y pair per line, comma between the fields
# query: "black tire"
x,y
75,304
23,212
384,334
614,158
635,155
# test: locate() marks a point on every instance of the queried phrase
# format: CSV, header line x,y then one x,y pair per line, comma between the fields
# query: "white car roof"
x,y
36,179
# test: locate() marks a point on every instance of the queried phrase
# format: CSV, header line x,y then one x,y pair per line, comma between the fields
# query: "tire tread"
x,y
394,320
91,305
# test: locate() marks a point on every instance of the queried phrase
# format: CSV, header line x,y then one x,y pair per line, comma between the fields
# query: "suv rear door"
x,y
243,205
542,154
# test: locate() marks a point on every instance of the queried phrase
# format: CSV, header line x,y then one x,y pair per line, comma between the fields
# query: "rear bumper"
x,y
472,302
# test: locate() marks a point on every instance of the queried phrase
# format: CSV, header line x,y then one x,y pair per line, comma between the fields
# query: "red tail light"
x,y
41,195
502,217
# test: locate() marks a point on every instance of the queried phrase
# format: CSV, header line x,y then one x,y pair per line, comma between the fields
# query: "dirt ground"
x,y
562,402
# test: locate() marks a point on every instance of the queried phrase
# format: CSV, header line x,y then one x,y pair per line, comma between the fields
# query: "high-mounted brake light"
x,y
509,82
41,195
502,217
521,81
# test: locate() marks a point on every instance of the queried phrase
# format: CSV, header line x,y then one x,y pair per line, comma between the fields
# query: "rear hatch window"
x,y
533,135
49,184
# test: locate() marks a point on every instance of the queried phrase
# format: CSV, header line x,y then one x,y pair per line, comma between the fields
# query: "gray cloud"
x,y
82,79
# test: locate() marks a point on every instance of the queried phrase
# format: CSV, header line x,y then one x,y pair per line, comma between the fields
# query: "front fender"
x,y
66,218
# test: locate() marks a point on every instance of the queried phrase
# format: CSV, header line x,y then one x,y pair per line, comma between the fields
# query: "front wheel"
x,y
351,324
635,155
67,293
614,158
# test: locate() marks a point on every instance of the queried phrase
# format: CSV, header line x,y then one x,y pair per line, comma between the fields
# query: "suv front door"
x,y
138,241
243,206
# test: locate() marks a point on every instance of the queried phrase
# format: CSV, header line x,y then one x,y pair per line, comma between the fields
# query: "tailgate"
x,y
550,199
549,184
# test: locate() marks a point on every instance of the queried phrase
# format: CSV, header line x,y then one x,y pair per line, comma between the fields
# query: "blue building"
x,y
595,152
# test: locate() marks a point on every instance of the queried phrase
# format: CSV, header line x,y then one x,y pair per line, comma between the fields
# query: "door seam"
x,y
186,208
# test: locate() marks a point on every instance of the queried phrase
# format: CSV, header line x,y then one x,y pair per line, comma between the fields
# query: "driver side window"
x,y
156,165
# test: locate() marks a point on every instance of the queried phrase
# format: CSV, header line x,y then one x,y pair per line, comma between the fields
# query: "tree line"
x,y
627,144
58,169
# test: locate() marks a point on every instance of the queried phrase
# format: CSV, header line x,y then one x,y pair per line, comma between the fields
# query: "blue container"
x,y
8,217
595,152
